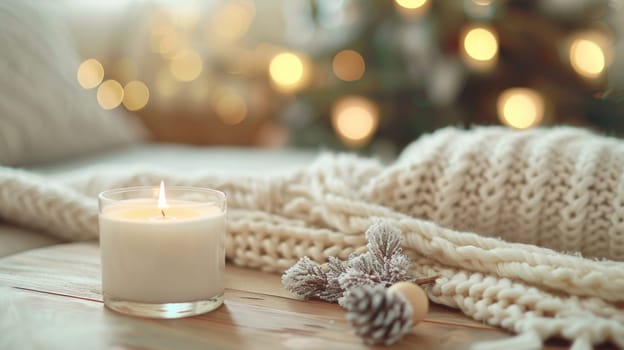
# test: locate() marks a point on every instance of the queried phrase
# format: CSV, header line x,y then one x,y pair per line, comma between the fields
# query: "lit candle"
x,y
163,253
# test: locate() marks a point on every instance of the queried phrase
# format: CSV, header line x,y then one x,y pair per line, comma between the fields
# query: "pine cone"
x,y
378,317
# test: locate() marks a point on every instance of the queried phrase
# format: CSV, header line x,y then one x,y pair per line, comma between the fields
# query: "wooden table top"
x,y
59,286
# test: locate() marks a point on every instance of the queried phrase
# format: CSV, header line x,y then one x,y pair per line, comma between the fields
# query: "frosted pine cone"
x,y
378,317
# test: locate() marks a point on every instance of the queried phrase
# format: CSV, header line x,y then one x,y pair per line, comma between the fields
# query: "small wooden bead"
x,y
415,296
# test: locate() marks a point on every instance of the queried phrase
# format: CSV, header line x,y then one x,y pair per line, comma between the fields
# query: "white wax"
x,y
150,259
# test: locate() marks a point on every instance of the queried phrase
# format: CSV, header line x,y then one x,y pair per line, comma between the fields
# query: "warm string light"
x,y
172,32
287,71
480,47
411,4
231,22
589,54
165,37
587,58
187,65
520,108
481,44
110,94
354,122
348,65
355,119
231,108
411,7
90,73
135,95
171,38
272,135
170,44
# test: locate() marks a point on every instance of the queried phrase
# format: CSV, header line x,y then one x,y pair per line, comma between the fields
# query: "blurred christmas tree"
x,y
385,72
370,75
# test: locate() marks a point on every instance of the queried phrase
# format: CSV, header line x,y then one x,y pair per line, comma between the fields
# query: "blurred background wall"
x,y
370,75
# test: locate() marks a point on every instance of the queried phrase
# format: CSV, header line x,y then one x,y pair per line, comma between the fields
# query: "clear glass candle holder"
x,y
162,250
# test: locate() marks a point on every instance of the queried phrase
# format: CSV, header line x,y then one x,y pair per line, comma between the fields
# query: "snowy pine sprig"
x,y
334,290
384,263
305,279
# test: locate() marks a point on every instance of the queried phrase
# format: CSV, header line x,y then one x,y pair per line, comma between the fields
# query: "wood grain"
x,y
257,314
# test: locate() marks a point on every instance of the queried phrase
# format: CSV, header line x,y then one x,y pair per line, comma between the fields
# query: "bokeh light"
x,y
348,65
231,22
90,73
287,71
135,95
272,135
169,42
231,108
480,43
186,65
588,55
355,119
110,94
520,108
411,4
410,8
172,44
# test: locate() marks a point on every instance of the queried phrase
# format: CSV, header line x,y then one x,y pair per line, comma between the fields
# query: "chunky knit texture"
x,y
537,200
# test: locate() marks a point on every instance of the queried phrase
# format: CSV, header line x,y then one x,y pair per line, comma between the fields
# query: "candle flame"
x,y
162,200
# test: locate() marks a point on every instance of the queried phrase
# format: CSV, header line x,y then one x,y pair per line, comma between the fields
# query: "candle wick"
x,y
162,211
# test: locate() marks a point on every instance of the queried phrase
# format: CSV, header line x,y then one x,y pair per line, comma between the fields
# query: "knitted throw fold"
x,y
504,217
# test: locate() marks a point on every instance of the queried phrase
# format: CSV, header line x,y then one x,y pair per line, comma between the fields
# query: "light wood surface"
x,y
62,282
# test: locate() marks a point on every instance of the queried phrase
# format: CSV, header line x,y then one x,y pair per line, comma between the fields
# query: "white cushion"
x,y
44,113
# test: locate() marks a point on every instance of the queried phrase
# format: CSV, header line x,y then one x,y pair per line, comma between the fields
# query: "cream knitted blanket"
x,y
537,202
